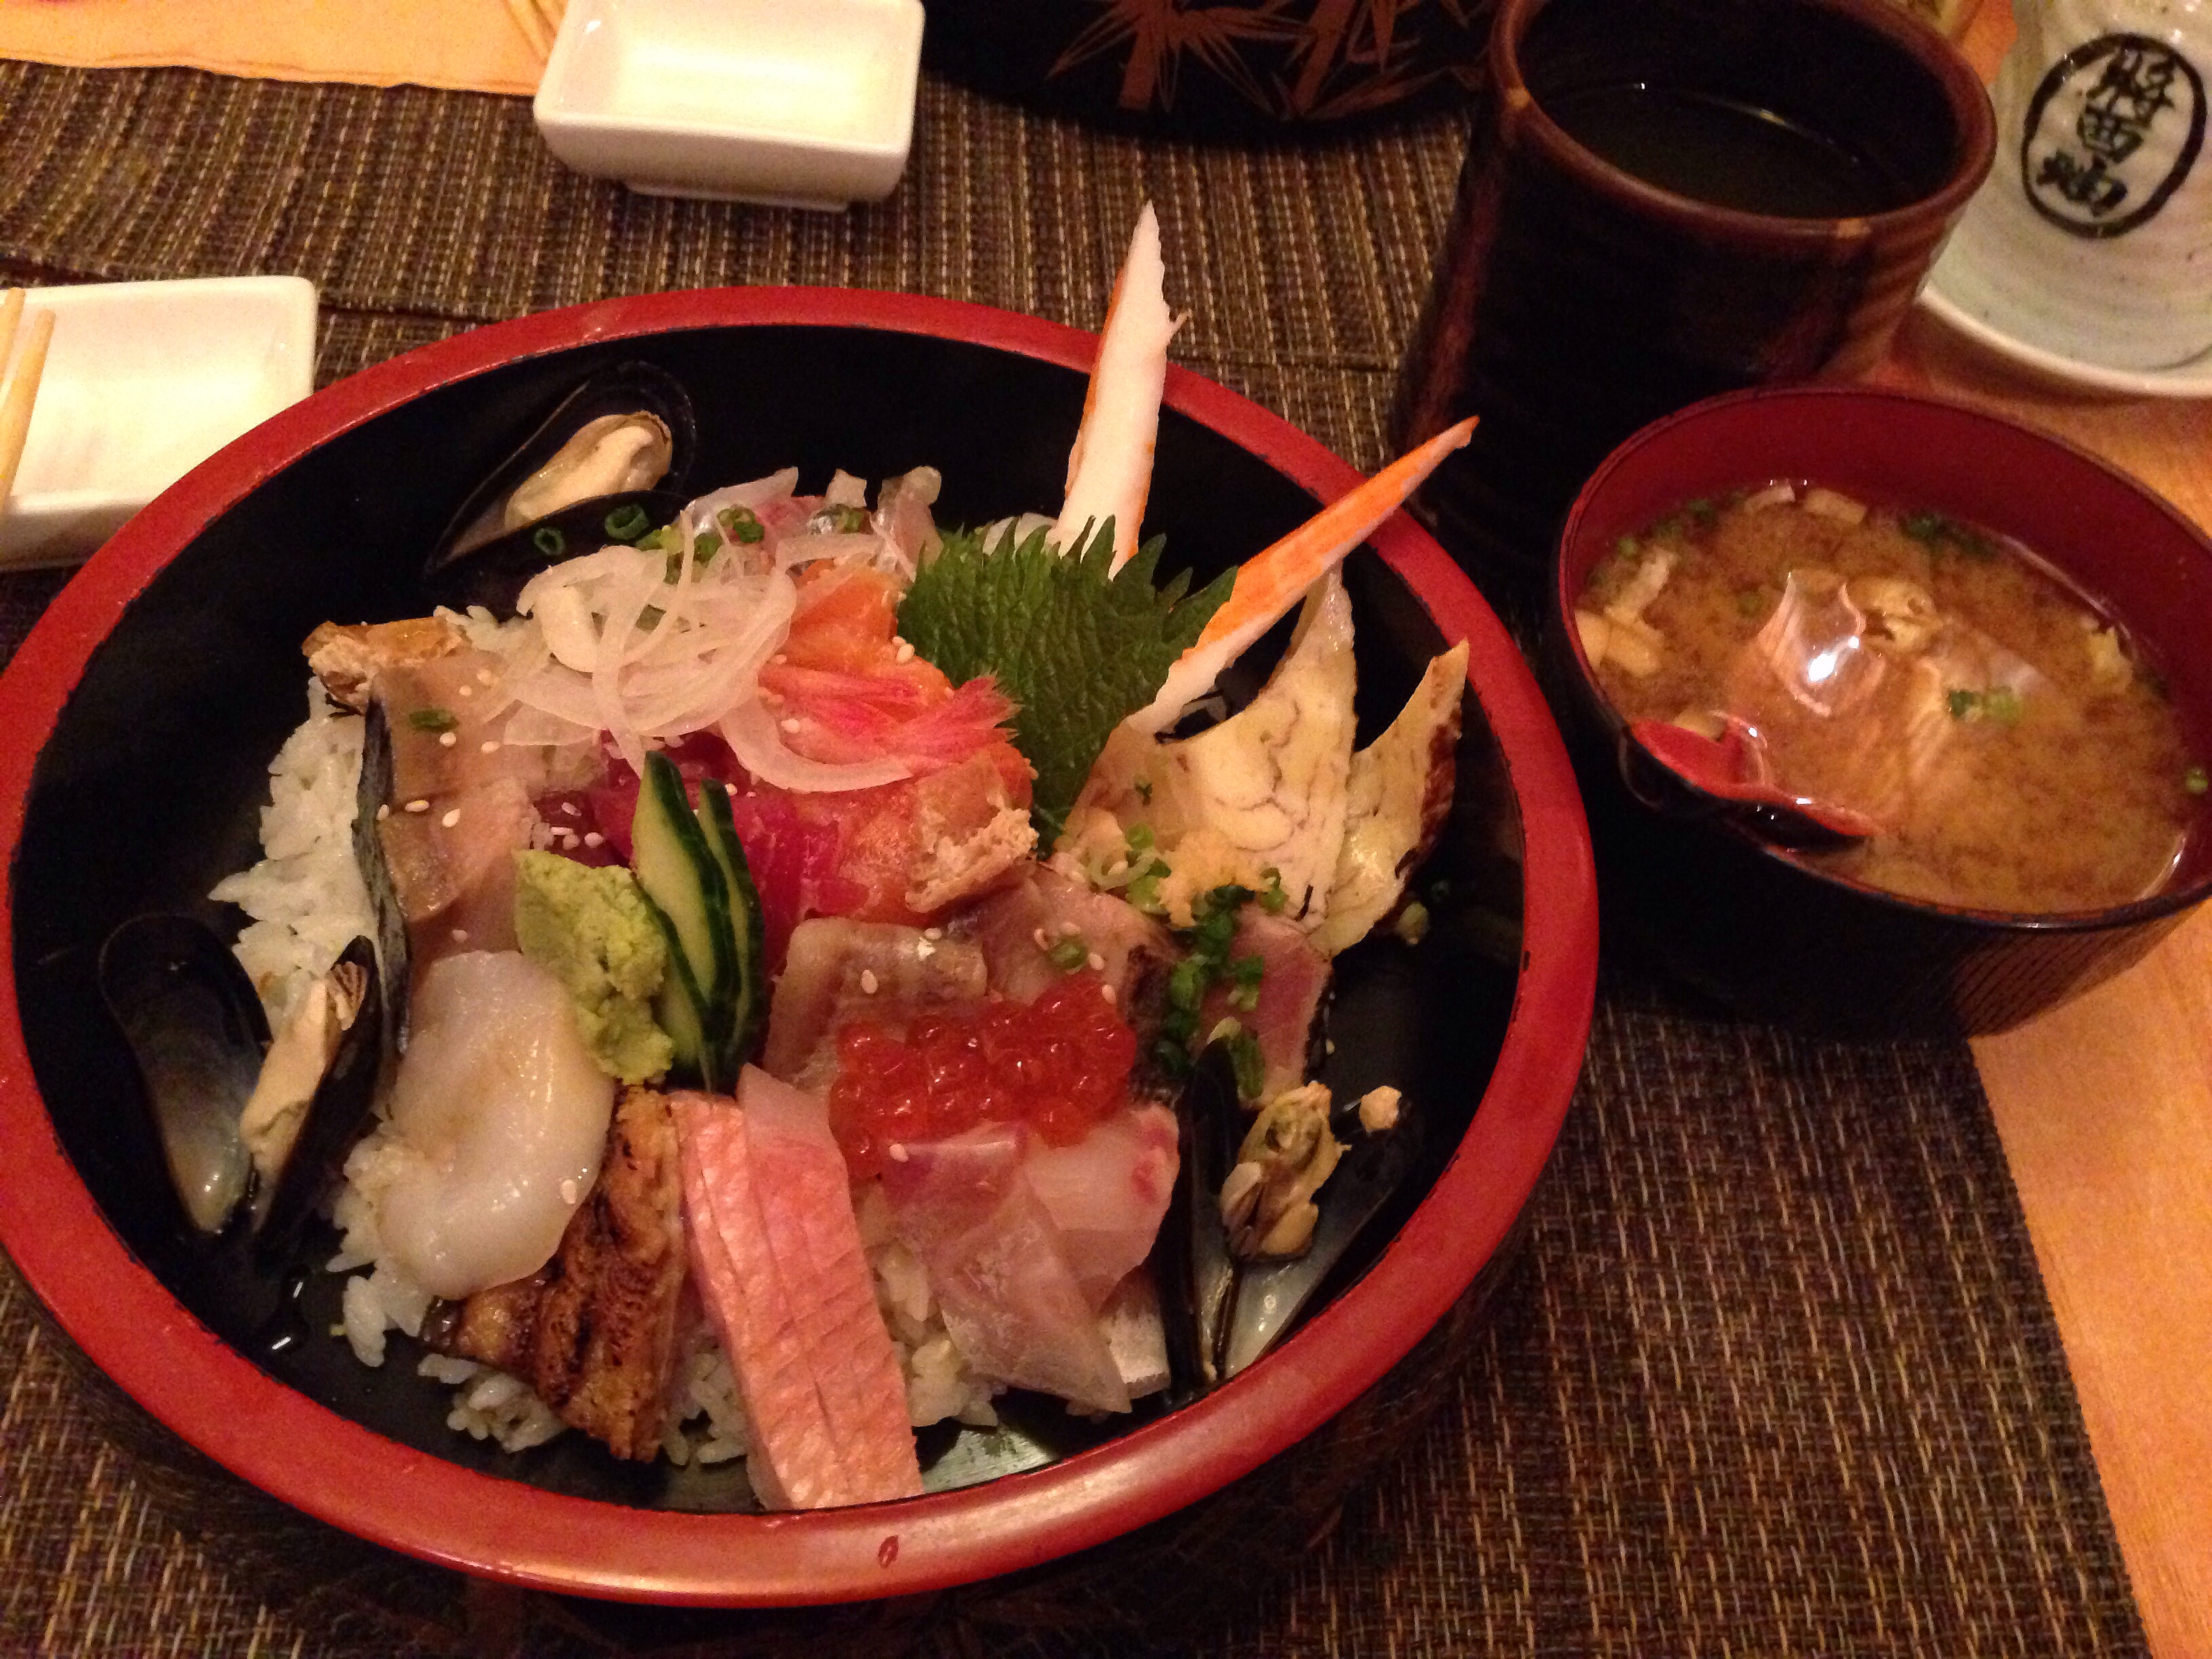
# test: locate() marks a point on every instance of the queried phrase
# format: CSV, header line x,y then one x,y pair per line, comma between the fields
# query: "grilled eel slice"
x,y
594,1331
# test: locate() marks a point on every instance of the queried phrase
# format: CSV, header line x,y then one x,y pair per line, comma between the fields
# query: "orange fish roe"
x,y
1060,1064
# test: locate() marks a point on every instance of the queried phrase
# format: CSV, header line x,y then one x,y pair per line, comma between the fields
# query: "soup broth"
x,y
2010,745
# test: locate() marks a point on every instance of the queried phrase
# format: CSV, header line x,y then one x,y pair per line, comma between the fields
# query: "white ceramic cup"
x,y
2093,237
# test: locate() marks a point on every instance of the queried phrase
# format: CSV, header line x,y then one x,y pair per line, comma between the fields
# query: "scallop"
x,y
498,1119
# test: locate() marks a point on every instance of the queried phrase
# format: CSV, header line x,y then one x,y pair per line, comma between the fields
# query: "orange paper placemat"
x,y
459,45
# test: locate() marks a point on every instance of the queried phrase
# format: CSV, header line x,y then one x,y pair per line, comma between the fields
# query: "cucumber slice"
x,y
748,1006
670,858
680,1011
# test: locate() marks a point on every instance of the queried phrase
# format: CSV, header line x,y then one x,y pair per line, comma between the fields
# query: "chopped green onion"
x,y
1068,955
627,522
2195,780
741,524
1272,898
1927,527
1251,1068
1139,839
705,545
1962,702
1145,791
549,541
432,720
1625,548
1413,923
2002,705
1702,510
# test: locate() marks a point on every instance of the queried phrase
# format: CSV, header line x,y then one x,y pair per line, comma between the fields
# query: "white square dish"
x,y
795,103
143,381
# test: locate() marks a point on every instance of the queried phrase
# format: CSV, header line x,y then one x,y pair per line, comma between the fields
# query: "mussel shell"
x,y
624,388
494,573
394,968
340,1107
196,1028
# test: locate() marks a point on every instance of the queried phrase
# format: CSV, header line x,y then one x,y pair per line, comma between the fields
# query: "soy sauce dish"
x,y
1787,882
141,717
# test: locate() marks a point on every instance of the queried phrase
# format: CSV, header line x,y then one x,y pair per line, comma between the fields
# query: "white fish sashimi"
x,y
1107,1194
498,1119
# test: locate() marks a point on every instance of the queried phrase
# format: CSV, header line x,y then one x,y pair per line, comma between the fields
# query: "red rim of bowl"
x,y
2182,896
354,1479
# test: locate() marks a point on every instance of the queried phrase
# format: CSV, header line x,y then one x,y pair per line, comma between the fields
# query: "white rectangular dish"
x,y
793,104
143,381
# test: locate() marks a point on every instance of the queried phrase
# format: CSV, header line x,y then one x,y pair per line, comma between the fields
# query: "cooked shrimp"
x,y
1109,471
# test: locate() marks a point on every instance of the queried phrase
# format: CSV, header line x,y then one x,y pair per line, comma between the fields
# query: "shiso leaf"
x,y
1078,646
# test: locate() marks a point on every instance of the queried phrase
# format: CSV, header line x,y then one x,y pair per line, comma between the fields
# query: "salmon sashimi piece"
x,y
807,1211
794,1461
1012,1303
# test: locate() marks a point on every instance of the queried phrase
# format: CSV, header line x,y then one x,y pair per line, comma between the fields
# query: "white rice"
x,y
306,896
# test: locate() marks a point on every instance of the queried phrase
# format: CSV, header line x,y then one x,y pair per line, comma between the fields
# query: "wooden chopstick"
x,y
532,22
22,387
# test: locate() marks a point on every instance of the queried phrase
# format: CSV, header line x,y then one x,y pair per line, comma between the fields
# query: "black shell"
x,y
196,1028
373,792
622,389
334,1121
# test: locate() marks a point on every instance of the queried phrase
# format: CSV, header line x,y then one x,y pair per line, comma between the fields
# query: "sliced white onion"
x,y
752,735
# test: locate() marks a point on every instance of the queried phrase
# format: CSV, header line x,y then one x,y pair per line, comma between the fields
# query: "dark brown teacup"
x,y
1665,200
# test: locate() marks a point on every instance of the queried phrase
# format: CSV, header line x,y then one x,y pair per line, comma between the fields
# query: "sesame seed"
x,y
468,690
488,746
569,809
568,1193
483,676
451,819
868,982
904,653
460,936
1041,939
383,812
447,739
418,805
1069,930
1106,991
923,952
932,933
1328,1045
898,1156
788,724
780,659
1097,963
593,838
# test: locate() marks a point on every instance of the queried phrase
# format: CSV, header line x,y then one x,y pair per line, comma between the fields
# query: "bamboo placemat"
x,y
1776,1374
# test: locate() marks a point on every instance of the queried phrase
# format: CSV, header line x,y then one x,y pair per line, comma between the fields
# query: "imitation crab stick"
x,y
1109,470
1271,581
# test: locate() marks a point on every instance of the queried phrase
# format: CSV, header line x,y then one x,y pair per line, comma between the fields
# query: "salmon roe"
x,y
1060,1064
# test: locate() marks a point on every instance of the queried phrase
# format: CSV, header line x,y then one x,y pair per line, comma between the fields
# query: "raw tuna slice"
x,y
778,1257
1106,1193
1012,1303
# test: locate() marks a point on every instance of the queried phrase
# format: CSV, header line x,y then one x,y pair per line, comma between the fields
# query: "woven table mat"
x,y
1777,1374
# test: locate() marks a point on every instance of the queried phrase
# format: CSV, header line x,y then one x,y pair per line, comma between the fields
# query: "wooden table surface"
x,y
2105,1106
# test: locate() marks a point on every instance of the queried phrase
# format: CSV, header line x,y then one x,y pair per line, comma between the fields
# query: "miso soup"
x,y
2011,747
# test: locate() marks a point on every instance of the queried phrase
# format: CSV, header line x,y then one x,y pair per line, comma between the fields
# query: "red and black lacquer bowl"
x,y
1694,880
139,719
